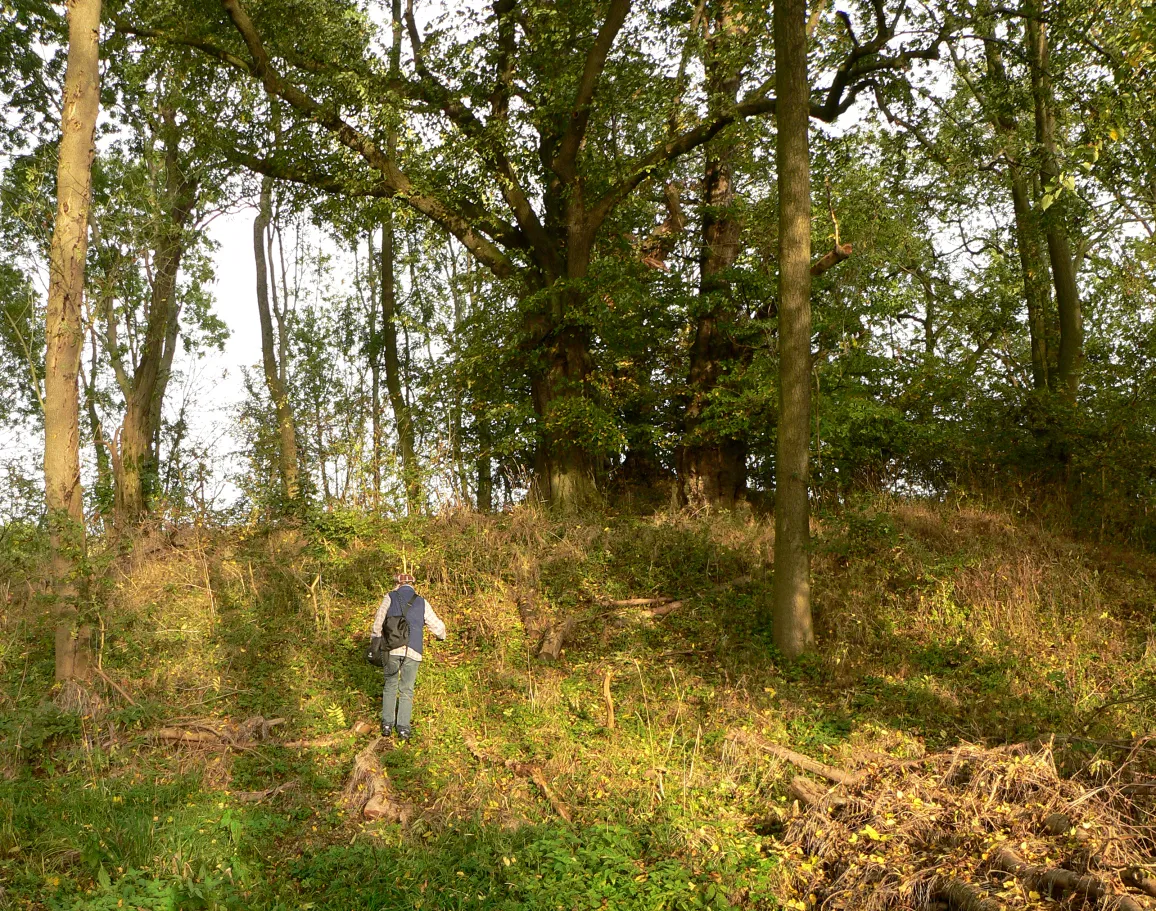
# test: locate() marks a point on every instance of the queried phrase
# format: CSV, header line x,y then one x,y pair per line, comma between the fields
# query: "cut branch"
x,y
832,774
607,676
963,896
828,260
116,686
1057,883
524,769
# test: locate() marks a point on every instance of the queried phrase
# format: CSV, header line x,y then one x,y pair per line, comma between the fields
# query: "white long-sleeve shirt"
x,y
432,622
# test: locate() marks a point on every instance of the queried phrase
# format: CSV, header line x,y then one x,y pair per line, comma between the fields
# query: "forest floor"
x,y
939,625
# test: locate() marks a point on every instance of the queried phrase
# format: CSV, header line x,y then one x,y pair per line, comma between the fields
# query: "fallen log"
x,y
328,740
555,640
668,608
638,602
808,793
963,896
367,791
533,620
1056,824
1055,883
838,776
219,734
1135,878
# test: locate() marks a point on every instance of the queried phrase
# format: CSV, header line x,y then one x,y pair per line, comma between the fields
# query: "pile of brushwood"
x,y
971,829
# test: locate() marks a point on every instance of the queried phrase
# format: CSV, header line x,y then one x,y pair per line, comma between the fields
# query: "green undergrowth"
x,y
937,624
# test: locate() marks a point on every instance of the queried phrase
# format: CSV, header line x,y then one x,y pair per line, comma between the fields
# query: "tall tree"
x,y
712,466
63,330
399,403
274,353
793,630
1070,357
135,449
1002,110
402,412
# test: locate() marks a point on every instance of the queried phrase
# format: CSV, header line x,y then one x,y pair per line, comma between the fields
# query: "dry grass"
x,y
938,625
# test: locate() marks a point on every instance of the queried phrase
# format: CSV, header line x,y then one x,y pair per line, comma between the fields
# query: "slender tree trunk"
x,y
165,374
1070,357
374,374
485,468
1033,269
411,476
103,491
137,469
1034,272
274,373
319,428
63,333
713,466
793,630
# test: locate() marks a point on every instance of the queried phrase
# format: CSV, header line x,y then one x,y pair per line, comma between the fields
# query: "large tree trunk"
x,y
136,463
793,630
402,414
563,469
63,332
713,466
274,373
1070,357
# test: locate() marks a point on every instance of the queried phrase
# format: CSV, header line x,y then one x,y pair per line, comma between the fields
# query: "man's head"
x,y
404,578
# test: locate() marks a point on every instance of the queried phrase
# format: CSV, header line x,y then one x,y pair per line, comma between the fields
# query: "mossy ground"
x,y
938,624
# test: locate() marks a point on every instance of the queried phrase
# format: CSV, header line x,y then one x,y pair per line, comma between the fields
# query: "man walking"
x,y
401,666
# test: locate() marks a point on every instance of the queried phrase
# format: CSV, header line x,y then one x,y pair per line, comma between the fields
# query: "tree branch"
x,y
565,162
437,94
454,222
674,147
833,258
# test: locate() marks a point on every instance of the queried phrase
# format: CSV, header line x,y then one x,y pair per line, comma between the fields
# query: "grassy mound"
x,y
939,625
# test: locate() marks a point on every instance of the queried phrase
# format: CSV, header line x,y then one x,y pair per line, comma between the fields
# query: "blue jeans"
x,y
397,694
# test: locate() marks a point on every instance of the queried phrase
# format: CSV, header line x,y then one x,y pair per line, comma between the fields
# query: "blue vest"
x,y
415,614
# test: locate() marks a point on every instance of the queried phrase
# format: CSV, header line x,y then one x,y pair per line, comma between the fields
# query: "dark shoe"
x,y
386,729
403,734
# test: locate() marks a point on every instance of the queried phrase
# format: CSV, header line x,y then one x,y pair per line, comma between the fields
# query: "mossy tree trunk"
x,y
793,631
